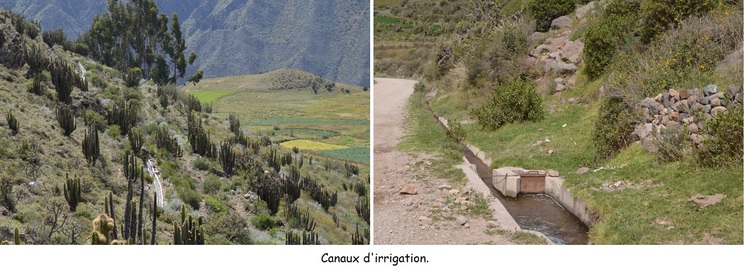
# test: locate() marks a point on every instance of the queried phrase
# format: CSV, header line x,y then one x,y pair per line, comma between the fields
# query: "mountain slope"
x,y
328,38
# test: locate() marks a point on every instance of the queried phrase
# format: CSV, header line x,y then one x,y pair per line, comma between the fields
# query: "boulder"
x,y
684,94
541,49
710,89
582,170
560,87
733,90
561,22
717,110
558,80
693,128
642,130
537,36
674,93
584,10
410,189
715,102
572,51
561,68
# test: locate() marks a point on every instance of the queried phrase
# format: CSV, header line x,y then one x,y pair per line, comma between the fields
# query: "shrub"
x,y
212,184
604,38
724,146
263,221
114,131
672,142
514,101
613,128
545,11
215,205
419,87
657,16
456,132
201,164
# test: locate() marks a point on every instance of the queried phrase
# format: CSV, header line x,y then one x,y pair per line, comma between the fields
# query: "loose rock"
x,y
410,189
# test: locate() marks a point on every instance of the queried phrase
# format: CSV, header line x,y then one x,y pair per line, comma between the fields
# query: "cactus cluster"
x,y
72,192
109,205
269,190
136,141
234,124
319,194
36,59
227,158
103,226
304,238
167,142
64,78
12,122
299,219
66,119
188,231
362,208
286,159
90,145
291,184
351,169
199,138
123,114
132,220
273,160
359,238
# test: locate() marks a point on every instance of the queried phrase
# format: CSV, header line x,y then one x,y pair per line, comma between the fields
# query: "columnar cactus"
x,y
12,122
90,145
227,158
66,119
188,231
72,192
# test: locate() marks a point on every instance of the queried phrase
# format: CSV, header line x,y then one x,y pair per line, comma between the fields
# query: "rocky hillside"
x,y
328,38
150,164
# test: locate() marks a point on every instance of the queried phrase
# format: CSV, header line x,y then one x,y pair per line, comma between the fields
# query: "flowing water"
x,y
536,212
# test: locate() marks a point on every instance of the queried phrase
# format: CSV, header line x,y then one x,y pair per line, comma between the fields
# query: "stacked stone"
x,y
690,108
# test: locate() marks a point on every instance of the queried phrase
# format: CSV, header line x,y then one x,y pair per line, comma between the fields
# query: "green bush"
x,y
419,87
514,101
657,16
114,131
604,38
212,184
614,126
724,147
201,164
456,132
215,205
671,143
263,221
545,11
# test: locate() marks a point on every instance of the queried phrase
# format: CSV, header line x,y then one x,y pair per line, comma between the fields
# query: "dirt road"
x,y
436,213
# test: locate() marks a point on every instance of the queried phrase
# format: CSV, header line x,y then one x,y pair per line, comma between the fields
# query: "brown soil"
x,y
436,213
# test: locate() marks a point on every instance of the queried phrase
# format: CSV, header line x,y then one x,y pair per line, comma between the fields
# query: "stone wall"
x,y
689,109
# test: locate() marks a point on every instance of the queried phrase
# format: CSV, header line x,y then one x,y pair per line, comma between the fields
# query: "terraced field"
x,y
283,106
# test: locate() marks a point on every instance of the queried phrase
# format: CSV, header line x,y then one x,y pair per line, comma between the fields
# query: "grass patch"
x,y
211,96
386,20
525,238
356,154
425,136
312,145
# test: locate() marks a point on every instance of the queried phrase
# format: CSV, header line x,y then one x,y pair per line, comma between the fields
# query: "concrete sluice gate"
x,y
537,202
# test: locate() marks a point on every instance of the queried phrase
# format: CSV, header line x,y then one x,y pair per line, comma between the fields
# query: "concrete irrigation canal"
x,y
535,204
